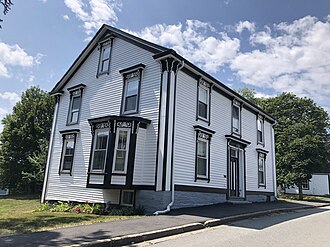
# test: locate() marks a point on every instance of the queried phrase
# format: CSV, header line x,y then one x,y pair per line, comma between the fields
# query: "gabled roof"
x,y
160,52
105,29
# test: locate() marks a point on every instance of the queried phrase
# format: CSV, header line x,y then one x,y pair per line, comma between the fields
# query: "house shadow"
x,y
223,210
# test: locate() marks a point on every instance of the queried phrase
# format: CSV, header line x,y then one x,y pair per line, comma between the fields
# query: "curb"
x,y
146,236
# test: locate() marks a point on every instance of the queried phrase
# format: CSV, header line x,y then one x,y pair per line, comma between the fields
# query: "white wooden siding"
x,y
102,97
318,185
119,180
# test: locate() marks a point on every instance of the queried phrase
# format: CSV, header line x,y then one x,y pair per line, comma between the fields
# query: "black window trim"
x,y
260,117
128,73
263,153
67,134
208,86
75,91
206,134
121,202
101,45
238,104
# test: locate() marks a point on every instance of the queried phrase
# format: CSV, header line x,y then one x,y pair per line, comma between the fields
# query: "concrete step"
x,y
238,201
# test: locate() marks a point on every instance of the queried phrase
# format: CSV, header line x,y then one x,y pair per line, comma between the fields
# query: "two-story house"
x,y
137,124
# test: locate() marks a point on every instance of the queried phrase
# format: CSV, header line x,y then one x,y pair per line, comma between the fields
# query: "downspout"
x,y
273,160
168,208
50,149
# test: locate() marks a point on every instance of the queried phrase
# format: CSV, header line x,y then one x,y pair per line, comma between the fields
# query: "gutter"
x,y
50,149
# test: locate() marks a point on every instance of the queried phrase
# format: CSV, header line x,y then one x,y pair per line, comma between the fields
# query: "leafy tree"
x,y
6,7
24,141
250,95
302,138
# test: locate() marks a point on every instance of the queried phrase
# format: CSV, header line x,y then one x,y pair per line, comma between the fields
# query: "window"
x,y
131,93
127,198
236,122
100,149
305,185
105,51
261,169
260,130
202,157
202,153
203,100
68,148
121,150
75,105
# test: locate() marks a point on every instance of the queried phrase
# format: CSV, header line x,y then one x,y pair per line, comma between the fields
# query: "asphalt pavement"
x,y
117,233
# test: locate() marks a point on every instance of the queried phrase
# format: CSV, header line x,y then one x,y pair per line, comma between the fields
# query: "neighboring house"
x,y
134,122
318,185
4,192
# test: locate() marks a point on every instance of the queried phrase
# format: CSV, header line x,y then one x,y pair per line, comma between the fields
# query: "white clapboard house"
x,y
136,124
318,185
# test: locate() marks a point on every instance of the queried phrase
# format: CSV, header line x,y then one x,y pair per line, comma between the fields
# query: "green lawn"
x,y
17,216
305,198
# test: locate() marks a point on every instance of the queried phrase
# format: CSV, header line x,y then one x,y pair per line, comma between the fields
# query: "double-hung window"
x,y
305,185
236,114
121,150
202,155
203,101
101,140
261,169
131,90
75,103
68,149
104,61
260,130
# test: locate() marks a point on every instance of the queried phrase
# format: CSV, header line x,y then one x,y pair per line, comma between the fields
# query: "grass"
x,y
17,216
305,198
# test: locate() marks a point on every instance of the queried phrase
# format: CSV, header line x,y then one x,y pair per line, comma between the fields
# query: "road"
x,y
301,228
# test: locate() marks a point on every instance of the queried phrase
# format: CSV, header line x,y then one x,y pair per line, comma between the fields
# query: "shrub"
x,y
43,207
62,207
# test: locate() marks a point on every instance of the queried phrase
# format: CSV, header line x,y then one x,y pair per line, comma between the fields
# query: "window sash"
x,y
101,140
261,169
131,94
202,158
75,106
121,151
203,102
305,185
236,119
68,153
105,59
260,130
127,198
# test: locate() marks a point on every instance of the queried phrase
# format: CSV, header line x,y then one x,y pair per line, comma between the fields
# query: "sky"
x,y
272,46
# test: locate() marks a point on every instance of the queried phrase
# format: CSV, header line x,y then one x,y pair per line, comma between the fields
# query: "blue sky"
x,y
272,46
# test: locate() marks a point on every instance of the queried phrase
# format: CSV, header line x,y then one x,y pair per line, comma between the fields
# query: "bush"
x,y
43,207
62,207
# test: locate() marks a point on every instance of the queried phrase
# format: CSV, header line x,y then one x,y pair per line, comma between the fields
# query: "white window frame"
x,y
122,198
67,138
104,45
261,120
74,94
128,78
207,89
128,130
238,106
105,130
305,185
262,157
206,158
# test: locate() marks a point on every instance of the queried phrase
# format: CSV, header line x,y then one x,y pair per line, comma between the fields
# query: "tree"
x,y
24,142
250,95
6,7
302,138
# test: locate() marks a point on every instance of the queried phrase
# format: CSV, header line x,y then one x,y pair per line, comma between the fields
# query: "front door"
x,y
234,172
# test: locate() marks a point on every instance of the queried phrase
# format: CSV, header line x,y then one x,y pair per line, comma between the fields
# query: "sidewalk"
x,y
141,229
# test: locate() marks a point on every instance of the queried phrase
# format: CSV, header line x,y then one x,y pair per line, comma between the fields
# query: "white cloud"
x,y
66,17
197,41
12,97
293,57
13,55
95,13
250,26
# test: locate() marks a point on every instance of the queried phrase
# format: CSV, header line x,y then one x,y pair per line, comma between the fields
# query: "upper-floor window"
x,y
131,92
121,150
260,130
75,103
104,61
261,169
101,139
203,100
236,114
